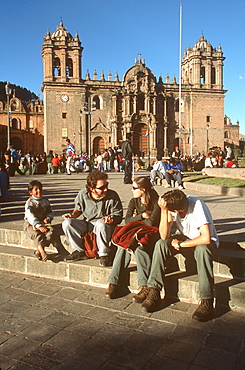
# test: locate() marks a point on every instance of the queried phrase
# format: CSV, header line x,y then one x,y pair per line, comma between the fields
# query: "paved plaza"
x,y
57,324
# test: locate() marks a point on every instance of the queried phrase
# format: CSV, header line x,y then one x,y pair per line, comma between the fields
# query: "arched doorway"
x,y
98,144
141,139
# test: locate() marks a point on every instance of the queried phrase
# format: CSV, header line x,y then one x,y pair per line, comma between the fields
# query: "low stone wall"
x,y
232,173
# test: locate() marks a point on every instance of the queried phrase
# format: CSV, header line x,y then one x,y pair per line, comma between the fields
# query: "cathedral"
x,y
97,111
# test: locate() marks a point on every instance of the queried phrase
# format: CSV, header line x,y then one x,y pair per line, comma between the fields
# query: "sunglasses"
x,y
103,187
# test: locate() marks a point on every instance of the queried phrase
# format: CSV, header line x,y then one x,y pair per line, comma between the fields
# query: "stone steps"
x,y
229,260
229,291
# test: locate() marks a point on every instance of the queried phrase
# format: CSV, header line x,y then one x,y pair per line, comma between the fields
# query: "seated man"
x,y
194,221
102,211
173,172
158,170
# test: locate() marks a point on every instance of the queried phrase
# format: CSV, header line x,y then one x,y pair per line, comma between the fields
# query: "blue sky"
x,y
114,32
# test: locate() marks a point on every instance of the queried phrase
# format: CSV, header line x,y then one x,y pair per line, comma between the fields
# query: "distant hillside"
x,y
20,92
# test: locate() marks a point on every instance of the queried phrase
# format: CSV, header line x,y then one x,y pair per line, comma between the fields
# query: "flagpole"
x,y
180,72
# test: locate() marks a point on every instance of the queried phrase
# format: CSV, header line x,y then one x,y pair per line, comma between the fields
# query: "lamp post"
x,y
80,132
8,92
88,109
207,137
148,144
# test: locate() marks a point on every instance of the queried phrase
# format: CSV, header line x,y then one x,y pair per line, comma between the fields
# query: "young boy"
x,y
38,216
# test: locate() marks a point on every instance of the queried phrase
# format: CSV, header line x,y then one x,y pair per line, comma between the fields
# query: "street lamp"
x,y
88,109
148,145
207,137
8,92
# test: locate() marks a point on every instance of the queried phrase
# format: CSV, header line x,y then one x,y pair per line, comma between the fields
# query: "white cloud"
x,y
241,77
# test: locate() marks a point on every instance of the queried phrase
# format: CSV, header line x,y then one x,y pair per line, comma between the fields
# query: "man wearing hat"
x,y
127,153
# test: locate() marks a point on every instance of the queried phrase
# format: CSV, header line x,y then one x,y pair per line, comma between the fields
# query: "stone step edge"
x,y
214,189
221,267
89,272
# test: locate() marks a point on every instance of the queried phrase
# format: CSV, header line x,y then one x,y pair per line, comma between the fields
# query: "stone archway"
x,y
98,144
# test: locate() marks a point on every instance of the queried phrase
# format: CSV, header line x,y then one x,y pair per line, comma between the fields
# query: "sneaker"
x,y
75,256
168,186
112,291
152,300
204,311
181,187
104,261
141,296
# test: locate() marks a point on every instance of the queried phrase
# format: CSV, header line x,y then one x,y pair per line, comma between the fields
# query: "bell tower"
x,y
62,56
202,66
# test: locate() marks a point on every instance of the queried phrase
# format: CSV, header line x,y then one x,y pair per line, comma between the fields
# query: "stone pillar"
x,y
208,73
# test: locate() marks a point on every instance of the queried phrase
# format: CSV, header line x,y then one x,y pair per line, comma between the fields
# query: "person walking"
x,y
127,153
70,152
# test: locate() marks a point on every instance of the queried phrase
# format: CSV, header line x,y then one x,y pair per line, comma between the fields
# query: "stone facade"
x,y
26,125
97,112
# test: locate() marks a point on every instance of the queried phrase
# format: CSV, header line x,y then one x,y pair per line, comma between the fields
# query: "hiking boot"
x,y
104,261
204,311
112,291
152,300
141,296
75,256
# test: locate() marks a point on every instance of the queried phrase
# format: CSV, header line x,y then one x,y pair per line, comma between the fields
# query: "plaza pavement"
x,y
55,323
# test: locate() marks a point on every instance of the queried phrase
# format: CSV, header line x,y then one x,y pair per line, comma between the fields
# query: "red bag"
x,y
90,245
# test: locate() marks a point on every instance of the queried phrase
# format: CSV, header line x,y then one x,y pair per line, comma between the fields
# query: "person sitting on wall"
x,y
173,172
158,170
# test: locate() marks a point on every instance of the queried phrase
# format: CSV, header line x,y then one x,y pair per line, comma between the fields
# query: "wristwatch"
x,y
179,242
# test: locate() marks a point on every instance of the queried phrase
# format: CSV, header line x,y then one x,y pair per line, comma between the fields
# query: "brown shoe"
x,y
204,311
152,300
141,296
112,291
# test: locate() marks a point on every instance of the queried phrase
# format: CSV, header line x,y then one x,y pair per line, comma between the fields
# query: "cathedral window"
x,y
56,67
14,105
177,105
226,135
208,119
202,75
213,80
64,115
69,68
96,100
141,102
15,124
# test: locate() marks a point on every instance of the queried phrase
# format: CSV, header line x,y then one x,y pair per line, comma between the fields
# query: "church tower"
x,y
62,56
202,106
61,87
202,66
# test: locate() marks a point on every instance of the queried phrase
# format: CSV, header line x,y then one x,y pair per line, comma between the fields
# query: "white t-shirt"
x,y
197,215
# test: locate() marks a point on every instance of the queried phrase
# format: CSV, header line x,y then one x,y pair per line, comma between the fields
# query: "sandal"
x,y
44,257
38,255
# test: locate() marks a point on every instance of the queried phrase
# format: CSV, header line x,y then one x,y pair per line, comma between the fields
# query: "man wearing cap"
x,y
127,153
